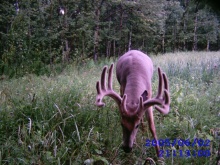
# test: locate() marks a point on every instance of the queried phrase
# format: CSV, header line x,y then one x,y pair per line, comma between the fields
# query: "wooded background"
x,y
35,33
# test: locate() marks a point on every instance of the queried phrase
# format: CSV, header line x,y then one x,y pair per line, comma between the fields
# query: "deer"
x,y
134,71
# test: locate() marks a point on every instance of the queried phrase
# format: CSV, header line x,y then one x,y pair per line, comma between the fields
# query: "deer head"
x,y
134,71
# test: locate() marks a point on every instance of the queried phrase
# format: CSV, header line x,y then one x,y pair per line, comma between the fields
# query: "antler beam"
x,y
103,91
162,98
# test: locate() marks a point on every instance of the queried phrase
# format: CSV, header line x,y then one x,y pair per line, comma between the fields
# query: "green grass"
x,y
53,120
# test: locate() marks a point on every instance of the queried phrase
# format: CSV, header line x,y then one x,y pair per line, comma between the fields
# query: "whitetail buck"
x,y
134,71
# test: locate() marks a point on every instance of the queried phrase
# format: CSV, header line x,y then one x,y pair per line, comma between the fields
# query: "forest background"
x,y
35,35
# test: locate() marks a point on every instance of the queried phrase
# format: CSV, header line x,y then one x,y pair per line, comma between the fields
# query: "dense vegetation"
x,y
38,32
53,120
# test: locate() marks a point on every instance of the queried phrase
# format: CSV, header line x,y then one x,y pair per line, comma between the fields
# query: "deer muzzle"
x,y
127,149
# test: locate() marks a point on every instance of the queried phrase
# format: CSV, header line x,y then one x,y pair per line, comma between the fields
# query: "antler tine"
x,y
123,110
102,91
166,84
140,110
166,106
160,84
110,77
103,75
163,88
99,95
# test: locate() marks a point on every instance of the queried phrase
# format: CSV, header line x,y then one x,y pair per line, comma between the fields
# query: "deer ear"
x,y
145,95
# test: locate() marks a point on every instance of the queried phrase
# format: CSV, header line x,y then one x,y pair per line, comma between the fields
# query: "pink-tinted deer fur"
x,y
134,72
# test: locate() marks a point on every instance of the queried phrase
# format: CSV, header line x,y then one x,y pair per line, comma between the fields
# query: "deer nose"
x,y
127,149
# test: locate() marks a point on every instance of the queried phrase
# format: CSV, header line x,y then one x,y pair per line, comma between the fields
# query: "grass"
x,y
53,120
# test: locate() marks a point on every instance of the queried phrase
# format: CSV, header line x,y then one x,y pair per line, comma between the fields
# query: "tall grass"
x,y
53,120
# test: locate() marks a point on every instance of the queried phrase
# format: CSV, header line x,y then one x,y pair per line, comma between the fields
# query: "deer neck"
x,y
134,89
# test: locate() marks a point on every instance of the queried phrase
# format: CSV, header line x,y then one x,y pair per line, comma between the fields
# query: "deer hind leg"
x,y
150,119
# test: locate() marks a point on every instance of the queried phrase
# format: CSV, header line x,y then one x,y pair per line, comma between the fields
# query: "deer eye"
x,y
137,126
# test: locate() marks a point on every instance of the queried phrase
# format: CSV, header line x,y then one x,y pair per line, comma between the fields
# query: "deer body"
x,y
134,71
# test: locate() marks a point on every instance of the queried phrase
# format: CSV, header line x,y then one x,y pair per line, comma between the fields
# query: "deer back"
x,y
134,71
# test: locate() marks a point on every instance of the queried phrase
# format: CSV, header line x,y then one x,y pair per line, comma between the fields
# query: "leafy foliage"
x,y
36,35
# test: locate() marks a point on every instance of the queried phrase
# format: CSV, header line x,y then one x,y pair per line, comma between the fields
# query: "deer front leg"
x,y
150,119
122,90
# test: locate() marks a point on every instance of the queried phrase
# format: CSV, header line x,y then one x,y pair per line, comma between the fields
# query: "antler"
x,y
159,100
102,91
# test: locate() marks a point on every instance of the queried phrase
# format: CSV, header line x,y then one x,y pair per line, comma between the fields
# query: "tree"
x,y
38,33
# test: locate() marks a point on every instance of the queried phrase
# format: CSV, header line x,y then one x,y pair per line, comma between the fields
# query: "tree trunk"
x,y
120,32
66,51
195,33
163,42
207,46
114,49
97,28
184,32
174,37
195,40
129,42
185,18
108,49
65,43
96,34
